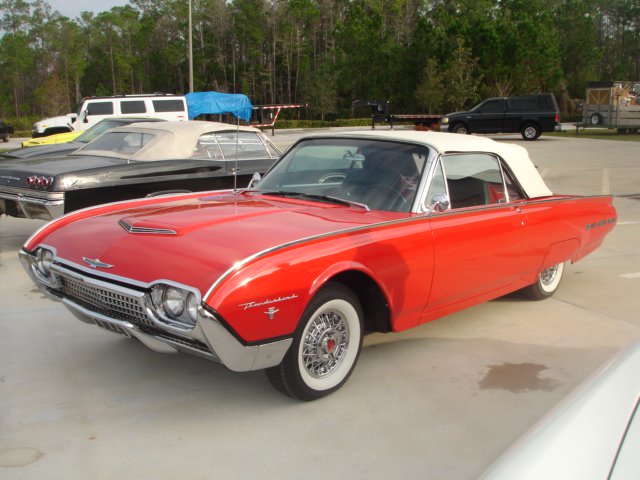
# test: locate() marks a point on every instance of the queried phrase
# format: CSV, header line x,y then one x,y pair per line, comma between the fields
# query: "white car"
x,y
94,109
593,434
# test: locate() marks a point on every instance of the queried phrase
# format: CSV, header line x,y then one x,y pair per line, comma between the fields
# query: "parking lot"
x,y
441,401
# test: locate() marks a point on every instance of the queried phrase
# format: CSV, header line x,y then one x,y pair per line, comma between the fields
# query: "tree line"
x,y
426,56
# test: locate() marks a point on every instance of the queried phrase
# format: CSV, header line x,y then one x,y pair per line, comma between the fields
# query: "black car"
x,y
5,131
528,114
135,161
58,149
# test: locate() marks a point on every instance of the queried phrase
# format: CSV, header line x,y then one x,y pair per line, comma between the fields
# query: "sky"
x,y
72,8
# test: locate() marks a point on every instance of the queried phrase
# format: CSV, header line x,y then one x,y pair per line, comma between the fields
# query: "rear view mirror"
x,y
254,180
439,203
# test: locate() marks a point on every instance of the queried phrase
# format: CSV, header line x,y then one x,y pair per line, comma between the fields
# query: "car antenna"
x,y
235,168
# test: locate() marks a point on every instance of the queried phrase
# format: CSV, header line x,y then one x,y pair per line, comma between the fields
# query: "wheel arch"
x,y
375,307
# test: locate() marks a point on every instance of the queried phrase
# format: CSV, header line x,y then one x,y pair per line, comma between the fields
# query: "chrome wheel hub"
x,y
548,275
325,344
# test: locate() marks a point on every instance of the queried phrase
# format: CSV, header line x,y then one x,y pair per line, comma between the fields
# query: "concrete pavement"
x,y
441,401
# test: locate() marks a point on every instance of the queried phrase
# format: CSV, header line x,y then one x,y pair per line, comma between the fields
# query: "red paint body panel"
x,y
425,266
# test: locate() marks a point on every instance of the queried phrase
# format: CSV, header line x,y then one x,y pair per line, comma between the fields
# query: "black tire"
x,y
460,128
531,131
5,138
325,348
595,119
547,283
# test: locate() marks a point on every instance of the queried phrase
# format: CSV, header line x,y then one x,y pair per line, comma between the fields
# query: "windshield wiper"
x,y
322,198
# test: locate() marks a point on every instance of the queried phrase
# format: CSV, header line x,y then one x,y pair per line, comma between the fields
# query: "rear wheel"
x,y
325,348
531,131
595,119
547,283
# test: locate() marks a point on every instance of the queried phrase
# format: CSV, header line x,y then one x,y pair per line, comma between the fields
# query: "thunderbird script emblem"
x,y
95,263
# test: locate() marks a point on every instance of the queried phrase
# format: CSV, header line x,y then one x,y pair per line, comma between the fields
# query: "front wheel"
x,y
460,128
325,348
547,283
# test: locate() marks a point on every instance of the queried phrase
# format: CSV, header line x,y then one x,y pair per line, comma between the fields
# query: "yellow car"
x,y
51,139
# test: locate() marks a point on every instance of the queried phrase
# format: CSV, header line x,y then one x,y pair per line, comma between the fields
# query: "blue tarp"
x,y
199,103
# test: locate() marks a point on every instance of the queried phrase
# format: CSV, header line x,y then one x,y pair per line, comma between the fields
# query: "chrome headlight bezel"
x,y
174,304
41,261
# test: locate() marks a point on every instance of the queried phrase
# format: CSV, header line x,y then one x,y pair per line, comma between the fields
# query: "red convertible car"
x,y
347,234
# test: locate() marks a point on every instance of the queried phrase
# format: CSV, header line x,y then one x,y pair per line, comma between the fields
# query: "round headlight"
x,y
192,307
44,259
174,300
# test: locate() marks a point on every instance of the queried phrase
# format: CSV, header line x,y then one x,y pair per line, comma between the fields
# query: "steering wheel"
x,y
371,193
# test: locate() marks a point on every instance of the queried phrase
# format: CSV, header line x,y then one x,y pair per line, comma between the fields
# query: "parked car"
x,y
591,435
51,139
93,109
62,147
346,234
5,131
134,161
528,114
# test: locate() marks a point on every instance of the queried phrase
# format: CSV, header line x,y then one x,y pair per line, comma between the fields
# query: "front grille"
x,y
112,304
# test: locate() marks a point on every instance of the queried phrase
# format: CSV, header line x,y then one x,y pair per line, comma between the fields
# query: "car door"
x,y
488,116
480,244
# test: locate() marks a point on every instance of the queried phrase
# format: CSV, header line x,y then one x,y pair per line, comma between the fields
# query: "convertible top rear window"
x,y
124,143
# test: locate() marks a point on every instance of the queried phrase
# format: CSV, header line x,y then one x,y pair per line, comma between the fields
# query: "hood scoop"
x,y
147,228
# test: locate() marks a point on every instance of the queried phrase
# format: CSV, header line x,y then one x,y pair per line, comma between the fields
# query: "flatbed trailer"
x,y
267,115
380,113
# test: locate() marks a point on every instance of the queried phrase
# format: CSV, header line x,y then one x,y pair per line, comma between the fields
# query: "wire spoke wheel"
x,y
325,344
325,348
546,284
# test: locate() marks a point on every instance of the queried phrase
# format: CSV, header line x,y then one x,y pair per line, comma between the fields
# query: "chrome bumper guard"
x,y
209,339
33,207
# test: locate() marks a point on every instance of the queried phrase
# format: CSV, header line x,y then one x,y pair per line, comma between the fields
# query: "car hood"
x,y
194,241
452,114
44,150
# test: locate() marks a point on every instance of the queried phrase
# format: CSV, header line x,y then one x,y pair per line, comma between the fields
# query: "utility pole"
x,y
190,51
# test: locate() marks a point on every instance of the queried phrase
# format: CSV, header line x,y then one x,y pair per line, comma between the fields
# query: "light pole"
x,y
190,52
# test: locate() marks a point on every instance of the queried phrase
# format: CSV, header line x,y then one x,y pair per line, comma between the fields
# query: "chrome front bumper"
x,y
208,339
16,203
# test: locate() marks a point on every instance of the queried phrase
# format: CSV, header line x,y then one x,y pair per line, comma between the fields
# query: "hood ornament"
x,y
96,263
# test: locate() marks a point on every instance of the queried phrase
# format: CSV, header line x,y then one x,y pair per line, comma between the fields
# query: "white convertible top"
x,y
515,156
173,140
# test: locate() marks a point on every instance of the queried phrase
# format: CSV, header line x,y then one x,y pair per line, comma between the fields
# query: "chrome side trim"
x,y
241,263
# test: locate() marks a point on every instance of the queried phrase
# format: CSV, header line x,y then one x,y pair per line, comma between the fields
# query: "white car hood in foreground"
x,y
592,434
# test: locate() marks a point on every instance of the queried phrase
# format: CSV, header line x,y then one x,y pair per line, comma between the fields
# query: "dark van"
x,y
528,114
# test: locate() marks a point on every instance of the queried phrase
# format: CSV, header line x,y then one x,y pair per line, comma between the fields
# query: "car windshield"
x,y
97,130
378,175
120,143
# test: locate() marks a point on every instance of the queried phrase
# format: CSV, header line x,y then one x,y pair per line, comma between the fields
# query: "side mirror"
x,y
254,180
439,203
